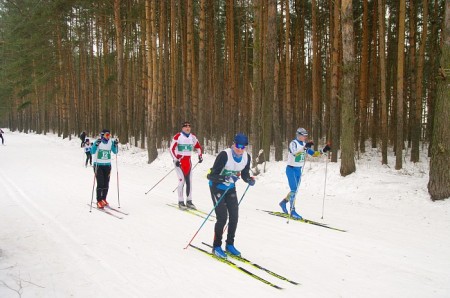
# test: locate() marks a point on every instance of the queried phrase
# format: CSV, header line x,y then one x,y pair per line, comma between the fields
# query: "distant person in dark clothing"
x,y
87,149
1,136
83,138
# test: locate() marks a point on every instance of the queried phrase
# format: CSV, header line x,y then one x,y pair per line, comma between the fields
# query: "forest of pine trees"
x,y
353,73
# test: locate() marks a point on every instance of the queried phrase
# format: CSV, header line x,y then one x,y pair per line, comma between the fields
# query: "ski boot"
x,y
295,215
219,252
181,205
283,206
190,205
100,205
232,250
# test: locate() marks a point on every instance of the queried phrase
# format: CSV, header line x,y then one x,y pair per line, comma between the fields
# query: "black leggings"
x,y
227,208
88,158
102,173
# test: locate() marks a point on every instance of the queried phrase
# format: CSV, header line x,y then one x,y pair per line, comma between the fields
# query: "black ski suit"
x,y
228,207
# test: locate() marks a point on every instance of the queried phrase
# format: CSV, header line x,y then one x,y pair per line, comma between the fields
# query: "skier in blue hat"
x,y
230,165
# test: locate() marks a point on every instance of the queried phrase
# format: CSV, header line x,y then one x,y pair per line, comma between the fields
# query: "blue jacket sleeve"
x,y
115,149
94,148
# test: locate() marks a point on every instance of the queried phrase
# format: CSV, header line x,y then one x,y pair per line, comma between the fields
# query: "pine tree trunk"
x,y
202,70
439,183
173,65
256,90
375,119
152,73
277,135
315,76
400,87
348,89
289,124
363,79
334,92
383,100
121,100
190,59
269,65
230,54
417,129
412,134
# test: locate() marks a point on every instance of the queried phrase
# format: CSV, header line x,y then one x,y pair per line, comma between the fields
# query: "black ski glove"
x,y
326,148
309,144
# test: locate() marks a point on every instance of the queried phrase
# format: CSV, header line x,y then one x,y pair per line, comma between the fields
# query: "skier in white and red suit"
x,y
183,144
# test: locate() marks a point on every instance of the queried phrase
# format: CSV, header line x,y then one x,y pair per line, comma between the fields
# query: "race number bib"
x,y
104,154
184,147
300,157
230,173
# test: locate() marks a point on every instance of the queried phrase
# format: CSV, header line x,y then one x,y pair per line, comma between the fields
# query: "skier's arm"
x,y
295,149
219,164
197,145
173,147
245,173
94,147
115,146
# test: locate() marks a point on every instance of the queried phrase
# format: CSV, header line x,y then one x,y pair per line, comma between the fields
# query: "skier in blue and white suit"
x,y
101,151
230,165
298,148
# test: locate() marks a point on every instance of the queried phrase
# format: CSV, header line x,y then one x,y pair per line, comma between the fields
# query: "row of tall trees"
x,y
352,72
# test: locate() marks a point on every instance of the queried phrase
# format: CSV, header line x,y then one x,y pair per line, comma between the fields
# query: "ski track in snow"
x,y
69,243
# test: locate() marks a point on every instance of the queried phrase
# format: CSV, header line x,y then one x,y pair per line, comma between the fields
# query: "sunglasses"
x,y
239,146
186,125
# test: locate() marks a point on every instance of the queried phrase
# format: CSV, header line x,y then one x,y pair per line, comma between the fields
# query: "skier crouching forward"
x,y
298,148
101,151
229,166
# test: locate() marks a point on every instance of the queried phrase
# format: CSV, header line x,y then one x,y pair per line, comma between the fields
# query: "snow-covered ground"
x,y
397,242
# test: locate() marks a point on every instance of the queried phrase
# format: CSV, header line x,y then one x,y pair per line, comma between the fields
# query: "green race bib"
x,y
184,147
226,172
104,154
300,157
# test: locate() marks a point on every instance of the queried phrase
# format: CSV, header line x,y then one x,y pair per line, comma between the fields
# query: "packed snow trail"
x,y
396,243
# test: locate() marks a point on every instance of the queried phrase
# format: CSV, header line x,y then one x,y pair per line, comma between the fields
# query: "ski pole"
x,y
117,171
217,204
325,185
191,171
248,186
93,186
160,181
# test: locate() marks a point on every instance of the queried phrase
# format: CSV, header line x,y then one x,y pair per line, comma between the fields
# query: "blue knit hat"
x,y
241,139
